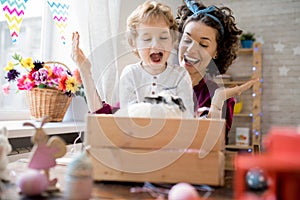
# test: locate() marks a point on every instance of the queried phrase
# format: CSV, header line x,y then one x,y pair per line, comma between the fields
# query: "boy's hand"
x,y
77,54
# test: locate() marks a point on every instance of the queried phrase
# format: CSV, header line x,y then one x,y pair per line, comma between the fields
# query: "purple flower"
x,y
40,77
38,65
12,75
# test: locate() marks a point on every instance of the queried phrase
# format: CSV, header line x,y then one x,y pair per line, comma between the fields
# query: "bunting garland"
x,y
59,11
14,11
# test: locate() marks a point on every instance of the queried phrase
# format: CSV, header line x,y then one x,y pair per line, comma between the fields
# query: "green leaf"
x,y
42,86
17,57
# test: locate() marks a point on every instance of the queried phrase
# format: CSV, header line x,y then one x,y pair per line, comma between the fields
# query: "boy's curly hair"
x,y
148,12
227,44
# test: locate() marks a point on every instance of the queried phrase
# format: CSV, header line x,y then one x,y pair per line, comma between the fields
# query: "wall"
x,y
276,24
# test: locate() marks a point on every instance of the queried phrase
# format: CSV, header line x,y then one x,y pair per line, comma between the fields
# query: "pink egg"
x,y
32,183
183,191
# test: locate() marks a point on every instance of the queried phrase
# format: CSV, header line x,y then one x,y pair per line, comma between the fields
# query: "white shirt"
x,y
136,84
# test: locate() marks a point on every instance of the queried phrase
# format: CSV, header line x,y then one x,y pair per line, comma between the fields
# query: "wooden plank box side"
x,y
156,150
145,133
115,164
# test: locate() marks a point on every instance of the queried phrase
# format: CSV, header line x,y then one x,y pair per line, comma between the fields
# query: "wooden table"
x,y
101,190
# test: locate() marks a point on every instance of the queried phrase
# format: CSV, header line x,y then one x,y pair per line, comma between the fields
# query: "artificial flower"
x,y
12,75
41,76
62,82
72,85
6,88
38,65
27,63
25,84
29,75
9,66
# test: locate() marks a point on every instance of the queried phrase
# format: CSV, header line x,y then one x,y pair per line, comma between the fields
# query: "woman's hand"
x,y
222,94
77,54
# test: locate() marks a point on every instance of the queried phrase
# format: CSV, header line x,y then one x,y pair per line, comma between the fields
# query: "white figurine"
x,y
5,149
79,178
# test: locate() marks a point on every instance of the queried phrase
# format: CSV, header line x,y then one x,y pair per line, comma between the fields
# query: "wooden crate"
x,y
156,150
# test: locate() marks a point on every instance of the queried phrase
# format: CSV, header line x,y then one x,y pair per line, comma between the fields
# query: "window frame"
x,y
45,52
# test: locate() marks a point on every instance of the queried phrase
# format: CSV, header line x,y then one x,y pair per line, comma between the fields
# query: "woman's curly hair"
x,y
227,44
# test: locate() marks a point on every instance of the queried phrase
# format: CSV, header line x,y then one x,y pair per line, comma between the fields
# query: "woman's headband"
x,y
192,6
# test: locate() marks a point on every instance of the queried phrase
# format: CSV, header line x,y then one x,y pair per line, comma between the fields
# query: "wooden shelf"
x,y
245,51
243,115
237,147
251,57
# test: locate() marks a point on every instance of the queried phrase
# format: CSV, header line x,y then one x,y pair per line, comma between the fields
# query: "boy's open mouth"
x,y
156,57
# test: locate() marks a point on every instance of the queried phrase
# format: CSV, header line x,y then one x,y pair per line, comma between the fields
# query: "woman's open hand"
x,y
222,94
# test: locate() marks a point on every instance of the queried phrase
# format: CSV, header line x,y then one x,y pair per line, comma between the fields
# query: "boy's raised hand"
x,y
77,54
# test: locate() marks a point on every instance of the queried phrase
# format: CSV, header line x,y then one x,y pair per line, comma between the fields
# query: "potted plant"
x,y
247,40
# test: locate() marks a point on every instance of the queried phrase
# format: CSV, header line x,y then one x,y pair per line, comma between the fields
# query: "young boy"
x,y
152,35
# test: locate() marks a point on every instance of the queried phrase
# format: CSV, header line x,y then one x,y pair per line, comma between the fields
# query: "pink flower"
x,y
24,83
5,89
58,71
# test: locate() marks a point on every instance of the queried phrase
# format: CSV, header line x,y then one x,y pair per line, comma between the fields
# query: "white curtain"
x,y
103,26
97,22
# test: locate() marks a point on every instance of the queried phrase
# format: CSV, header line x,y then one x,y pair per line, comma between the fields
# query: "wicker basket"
x,y
48,102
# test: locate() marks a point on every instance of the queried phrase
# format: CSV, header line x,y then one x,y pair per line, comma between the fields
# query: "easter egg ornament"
x,y
32,183
183,191
256,179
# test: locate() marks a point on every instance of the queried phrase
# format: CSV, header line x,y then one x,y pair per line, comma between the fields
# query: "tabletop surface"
x,y
103,190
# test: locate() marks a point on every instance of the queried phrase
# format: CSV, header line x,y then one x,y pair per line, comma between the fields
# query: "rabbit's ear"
x,y
28,124
44,121
4,131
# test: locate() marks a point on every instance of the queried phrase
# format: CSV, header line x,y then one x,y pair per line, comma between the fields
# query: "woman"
x,y
208,45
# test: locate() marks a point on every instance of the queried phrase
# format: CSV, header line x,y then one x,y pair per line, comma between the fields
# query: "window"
x,y
13,105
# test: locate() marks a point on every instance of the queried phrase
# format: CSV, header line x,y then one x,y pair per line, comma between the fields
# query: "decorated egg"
x,y
256,179
32,183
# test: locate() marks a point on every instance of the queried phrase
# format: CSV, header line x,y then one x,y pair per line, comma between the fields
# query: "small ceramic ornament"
x,y
78,179
45,152
5,149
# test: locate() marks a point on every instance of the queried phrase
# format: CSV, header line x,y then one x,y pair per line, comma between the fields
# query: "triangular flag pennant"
x,y
14,11
59,11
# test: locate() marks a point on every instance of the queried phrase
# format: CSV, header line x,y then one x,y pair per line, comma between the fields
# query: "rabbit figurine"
x,y
5,149
45,151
